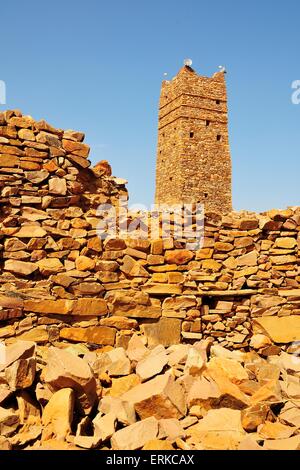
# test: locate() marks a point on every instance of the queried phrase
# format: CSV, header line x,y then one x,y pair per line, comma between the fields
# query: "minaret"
x,y
193,155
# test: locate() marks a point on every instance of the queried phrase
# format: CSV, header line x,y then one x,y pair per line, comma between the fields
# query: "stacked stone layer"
x,y
60,282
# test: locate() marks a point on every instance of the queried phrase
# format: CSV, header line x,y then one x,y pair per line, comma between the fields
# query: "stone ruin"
x,y
66,294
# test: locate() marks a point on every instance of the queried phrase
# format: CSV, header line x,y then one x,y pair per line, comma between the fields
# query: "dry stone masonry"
x,y
193,155
138,343
60,282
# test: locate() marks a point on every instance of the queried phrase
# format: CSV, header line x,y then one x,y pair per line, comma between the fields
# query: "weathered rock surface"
x,y
65,370
160,397
135,436
152,364
58,415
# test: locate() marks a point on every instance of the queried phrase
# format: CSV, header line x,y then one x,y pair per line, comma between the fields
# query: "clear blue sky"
x,y
97,66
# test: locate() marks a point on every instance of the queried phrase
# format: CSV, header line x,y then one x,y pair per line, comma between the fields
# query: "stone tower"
x,y
193,156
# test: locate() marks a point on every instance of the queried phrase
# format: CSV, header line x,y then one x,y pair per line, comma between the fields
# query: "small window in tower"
x,y
191,134
218,102
160,151
219,137
171,178
163,134
207,123
205,195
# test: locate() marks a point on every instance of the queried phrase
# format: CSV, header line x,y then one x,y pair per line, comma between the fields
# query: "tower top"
x,y
188,73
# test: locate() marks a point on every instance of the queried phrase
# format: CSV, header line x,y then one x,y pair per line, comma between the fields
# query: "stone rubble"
x,y
230,403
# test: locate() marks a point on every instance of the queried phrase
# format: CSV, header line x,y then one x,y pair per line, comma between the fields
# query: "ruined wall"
x,y
193,155
60,283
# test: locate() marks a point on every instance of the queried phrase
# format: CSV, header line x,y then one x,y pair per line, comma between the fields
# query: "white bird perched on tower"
x,y
188,62
222,68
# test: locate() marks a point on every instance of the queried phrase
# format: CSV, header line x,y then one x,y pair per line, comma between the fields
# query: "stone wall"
x,y
60,283
193,155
